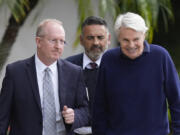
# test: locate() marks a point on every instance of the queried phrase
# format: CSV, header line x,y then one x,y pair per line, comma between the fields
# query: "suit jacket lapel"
x,y
80,61
61,83
31,71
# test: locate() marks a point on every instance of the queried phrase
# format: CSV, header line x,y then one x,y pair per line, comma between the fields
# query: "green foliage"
x,y
18,8
84,10
148,9
108,6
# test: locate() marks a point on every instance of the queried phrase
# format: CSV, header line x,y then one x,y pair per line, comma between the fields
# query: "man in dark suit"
x,y
95,39
26,106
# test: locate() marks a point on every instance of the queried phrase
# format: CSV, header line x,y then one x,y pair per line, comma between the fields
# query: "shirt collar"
x,y
87,60
41,66
146,47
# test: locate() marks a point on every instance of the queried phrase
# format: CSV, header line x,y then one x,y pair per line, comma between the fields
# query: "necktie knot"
x,y
93,65
47,70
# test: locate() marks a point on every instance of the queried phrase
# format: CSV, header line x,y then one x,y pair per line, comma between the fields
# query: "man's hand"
x,y
68,115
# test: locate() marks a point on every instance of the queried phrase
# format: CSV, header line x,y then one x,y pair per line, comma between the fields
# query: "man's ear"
x,y
81,39
145,34
109,39
38,42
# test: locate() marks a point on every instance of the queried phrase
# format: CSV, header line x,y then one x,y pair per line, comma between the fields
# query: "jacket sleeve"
x,y
6,102
81,110
172,91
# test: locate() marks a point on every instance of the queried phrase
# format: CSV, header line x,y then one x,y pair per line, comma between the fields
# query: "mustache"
x,y
96,47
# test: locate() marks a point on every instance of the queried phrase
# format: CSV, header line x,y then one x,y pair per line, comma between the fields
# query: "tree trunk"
x,y
11,33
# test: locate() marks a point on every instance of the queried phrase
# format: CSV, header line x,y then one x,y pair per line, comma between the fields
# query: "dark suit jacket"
x,y
20,101
76,59
90,77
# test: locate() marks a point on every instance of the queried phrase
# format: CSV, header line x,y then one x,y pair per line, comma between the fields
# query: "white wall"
x,y
64,10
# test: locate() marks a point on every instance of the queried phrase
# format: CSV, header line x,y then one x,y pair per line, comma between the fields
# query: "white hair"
x,y
130,20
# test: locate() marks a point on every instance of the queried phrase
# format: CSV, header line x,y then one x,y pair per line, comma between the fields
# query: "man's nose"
x,y
58,45
131,44
96,41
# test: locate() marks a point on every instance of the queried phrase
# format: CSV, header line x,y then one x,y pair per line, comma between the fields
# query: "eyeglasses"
x,y
55,41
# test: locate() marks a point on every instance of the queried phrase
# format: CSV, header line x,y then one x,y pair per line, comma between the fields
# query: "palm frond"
x,y
126,5
108,7
113,8
84,10
167,12
154,10
18,8
143,8
102,7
